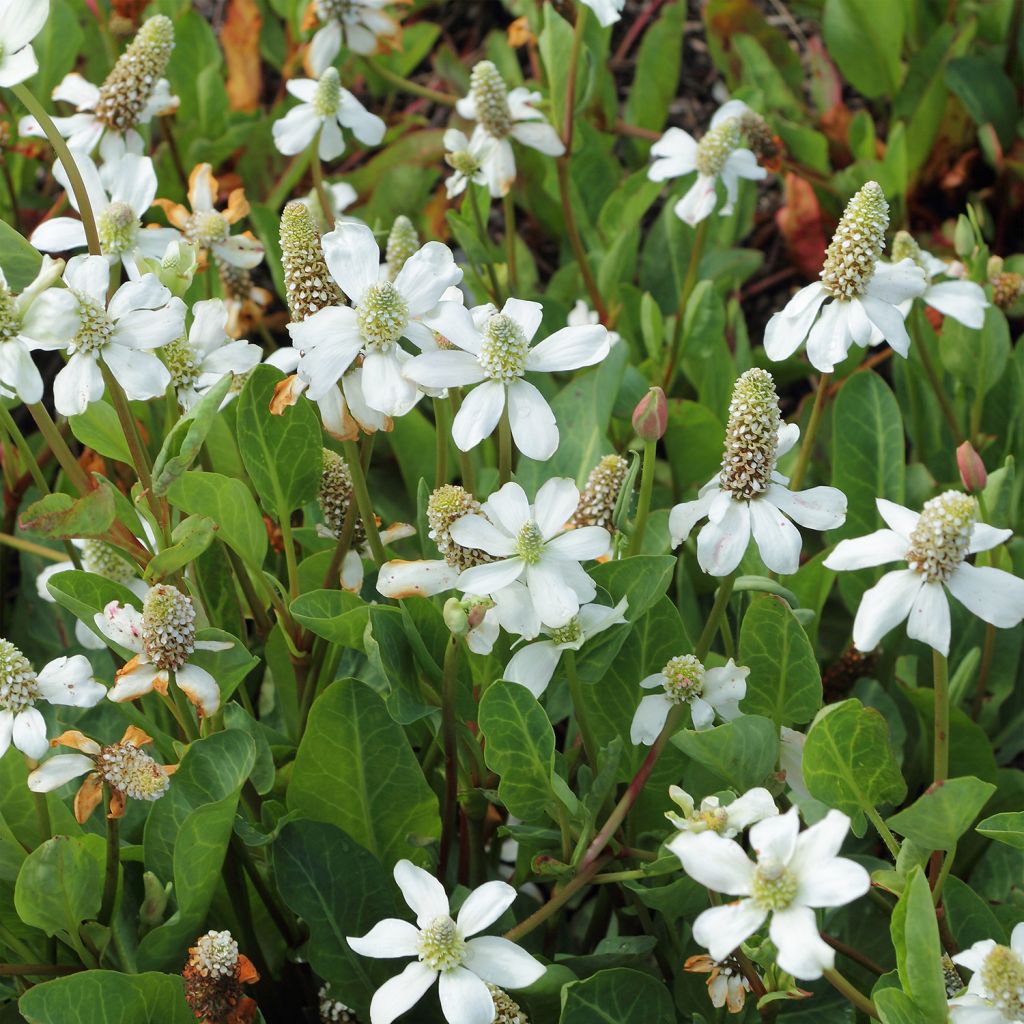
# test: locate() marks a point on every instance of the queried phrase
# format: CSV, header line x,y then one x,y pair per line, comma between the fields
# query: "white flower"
x,y
962,300
608,11
120,194
208,227
467,159
728,820
684,680
995,993
501,116
356,23
163,637
719,154
581,314
207,354
531,543
446,951
18,373
534,664
935,545
325,109
795,872
727,985
142,315
20,22
858,298
133,93
382,311
499,354
748,496
64,681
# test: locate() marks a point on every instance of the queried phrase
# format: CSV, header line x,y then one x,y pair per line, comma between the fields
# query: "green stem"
x,y
947,866
644,505
451,751
707,636
940,676
40,970
471,197
689,283
355,468
278,913
807,446
444,98
72,470
288,180
466,469
318,183
42,808
930,371
36,109
883,830
442,428
509,210
576,242
987,652
855,996
504,446
20,544
113,870
288,543
590,746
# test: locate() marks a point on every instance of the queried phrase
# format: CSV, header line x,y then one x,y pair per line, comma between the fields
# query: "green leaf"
x,y
190,538
742,752
970,918
283,455
977,358
915,937
108,997
554,43
520,748
230,505
617,996
642,580
848,763
656,77
99,428
186,838
784,683
182,445
61,516
338,888
1004,828
60,885
693,443
944,813
865,39
986,91
336,615
355,769
704,354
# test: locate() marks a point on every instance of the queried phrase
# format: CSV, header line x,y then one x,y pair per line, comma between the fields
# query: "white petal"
x,y
29,733
533,423
200,687
388,938
52,774
483,906
864,552
135,683
452,320
884,606
698,202
421,579
353,258
70,682
554,505
533,665
498,166
295,131
754,805
581,544
721,929
897,518
423,893
141,374
819,508
773,840
509,508
465,999
6,731
538,135
525,313
474,531
985,537
425,277
974,958
122,624
569,349
777,539
502,962
145,293
556,602
721,545
894,283
383,384
400,993
832,883
19,372
889,321
366,127
324,365
490,577
674,155
685,516
17,66
323,48
928,620
962,300
728,683
992,594
22,21
829,339
801,950
649,719
787,330
59,234
479,414
77,385
444,369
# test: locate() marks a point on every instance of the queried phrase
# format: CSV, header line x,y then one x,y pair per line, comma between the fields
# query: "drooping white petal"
x,y
69,681
554,599
423,893
928,620
77,384
721,929
387,939
54,772
59,234
962,300
465,999
533,665
674,155
649,719
383,384
801,950
864,552
994,595
29,733
141,374
829,339
398,579
534,430
685,516
777,539
698,202
402,992
788,329
884,606
501,962
721,545
538,135
135,683
479,414
818,508
889,321
483,906
295,131
366,127
200,687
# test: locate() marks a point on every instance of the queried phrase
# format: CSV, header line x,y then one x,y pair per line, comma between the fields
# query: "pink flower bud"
x,y
972,469
650,417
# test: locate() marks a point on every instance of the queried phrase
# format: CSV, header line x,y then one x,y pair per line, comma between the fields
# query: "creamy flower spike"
x,y
382,312
935,545
120,194
20,22
858,299
325,109
720,154
163,637
214,975
601,493
210,228
533,664
496,356
131,95
506,1009
141,316
995,993
403,242
123,766
356,24
964,301
748,496
794,873
334,1011
64,681
502,116
447,950
727,820
307,281
18,374
685,680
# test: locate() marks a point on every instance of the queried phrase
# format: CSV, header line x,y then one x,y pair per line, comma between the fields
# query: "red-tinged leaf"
x,y
800,222
240,41
60,515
